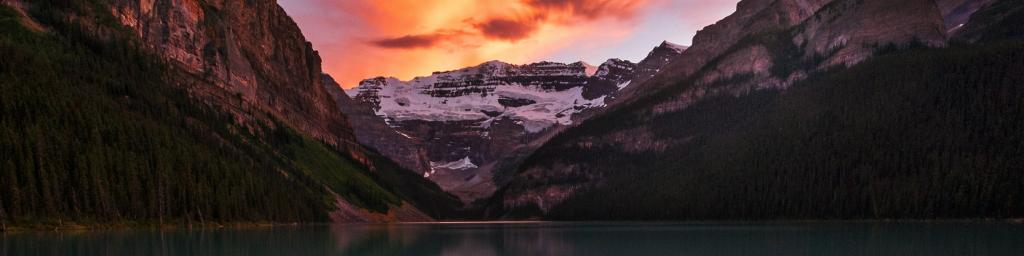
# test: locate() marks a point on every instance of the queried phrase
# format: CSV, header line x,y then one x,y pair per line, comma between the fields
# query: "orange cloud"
x,y
506,29
359,39
409,41
590,9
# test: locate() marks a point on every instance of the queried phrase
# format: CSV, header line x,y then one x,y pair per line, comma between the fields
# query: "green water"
x,y
542,239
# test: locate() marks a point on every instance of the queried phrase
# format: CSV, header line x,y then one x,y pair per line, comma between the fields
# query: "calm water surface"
x,y
542,239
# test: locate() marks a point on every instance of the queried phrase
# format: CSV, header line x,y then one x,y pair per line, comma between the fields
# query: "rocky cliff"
x,y
250,59
772,45
199,111
247,50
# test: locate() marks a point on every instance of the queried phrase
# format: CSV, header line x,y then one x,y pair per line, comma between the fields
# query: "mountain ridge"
x,y
485,112
765,46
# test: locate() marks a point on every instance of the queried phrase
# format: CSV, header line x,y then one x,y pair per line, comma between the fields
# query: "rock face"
x,y
846,32
371,131
751,17
657,60
763,45
772,45
250,51
796,33
616,70
608,78
472,120
251,60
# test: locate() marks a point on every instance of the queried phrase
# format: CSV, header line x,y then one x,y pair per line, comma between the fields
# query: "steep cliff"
x,y
255,52
248,49
195,112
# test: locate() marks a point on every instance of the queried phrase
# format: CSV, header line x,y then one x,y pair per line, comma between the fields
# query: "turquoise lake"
x,y
541,238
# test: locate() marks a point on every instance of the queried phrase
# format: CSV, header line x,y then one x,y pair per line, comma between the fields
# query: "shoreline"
x,y
132,226
72,227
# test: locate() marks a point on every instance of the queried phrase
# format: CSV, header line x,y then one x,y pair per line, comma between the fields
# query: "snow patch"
x,y
461,164
469,94
352,92
624,84
404,135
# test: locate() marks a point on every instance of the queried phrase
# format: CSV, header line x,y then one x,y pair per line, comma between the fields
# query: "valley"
x,y
181,113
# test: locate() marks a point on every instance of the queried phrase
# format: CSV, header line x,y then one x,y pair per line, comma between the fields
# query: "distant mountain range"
x,y
474,117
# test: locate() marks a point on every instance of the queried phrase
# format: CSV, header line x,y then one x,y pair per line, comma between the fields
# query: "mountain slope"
x,y
98,127
931,134
372,131
700,134
750,18
996,20
399,155
249,49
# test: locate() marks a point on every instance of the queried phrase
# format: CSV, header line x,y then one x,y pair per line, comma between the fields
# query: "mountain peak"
x,y
676,47
615,66
614,61
589,69
376,81
494,63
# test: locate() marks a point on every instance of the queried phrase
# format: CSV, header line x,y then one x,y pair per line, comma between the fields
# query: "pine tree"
x,y
3,216
12,187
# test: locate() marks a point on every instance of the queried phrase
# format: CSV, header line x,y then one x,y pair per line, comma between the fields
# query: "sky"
x,y
359,39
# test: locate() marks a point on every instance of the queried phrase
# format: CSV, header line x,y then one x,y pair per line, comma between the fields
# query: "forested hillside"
x,y
93,129
925,133
915,132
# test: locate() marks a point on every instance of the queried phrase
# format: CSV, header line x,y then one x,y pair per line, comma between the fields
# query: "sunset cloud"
x,y
358,39
590,9
506,29
527,16
409,41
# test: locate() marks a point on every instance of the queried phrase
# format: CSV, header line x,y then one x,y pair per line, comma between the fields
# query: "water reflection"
x,y
453,239
541,239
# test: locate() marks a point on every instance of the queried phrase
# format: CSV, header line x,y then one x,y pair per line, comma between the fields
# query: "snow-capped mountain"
x,y
537,95
471,117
